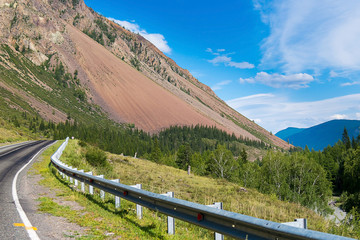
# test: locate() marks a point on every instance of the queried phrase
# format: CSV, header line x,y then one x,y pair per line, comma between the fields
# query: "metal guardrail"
x,y
228,223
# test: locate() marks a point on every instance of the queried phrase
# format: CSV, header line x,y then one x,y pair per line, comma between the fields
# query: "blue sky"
x,y
281,63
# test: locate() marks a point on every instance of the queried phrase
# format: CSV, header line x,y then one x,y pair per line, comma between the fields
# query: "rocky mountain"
x,y
108,66
320,136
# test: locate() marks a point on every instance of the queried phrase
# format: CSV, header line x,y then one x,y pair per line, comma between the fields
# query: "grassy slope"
x,y
160,179
10,134
23,75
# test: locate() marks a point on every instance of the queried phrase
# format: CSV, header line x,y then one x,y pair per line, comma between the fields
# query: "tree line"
x,y
303,176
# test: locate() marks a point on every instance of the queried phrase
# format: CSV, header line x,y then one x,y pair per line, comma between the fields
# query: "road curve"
x,y
12,159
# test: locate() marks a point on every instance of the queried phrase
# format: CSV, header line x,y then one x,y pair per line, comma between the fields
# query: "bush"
x,y
82,143
96,157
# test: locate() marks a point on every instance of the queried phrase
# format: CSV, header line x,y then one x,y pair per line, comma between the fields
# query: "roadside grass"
x,y
11,134
99,217
103,221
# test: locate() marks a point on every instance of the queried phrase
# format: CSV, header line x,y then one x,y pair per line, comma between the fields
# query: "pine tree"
x,y
243,156
354,143
184,156
346,139
156,152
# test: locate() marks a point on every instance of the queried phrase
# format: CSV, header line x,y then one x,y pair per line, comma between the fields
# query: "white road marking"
x,y
29,228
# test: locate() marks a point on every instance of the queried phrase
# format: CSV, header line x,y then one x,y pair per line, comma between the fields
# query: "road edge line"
x,y
30,230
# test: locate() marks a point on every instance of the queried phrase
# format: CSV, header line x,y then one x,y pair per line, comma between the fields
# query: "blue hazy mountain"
x,y
320,136
286,133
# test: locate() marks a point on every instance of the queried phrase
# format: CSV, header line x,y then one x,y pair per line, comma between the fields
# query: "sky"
x,y
281,63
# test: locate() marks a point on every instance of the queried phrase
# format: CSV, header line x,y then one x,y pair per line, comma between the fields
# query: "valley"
x,y
133,113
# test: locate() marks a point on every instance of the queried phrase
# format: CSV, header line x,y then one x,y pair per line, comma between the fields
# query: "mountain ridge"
x,y
41,31
322,135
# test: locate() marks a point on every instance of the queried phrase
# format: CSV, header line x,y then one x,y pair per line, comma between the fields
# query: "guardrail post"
x,y
138,207
102,193
75,180
82,183
71,179
218,205
66,176
60,173
170,220
91,188
298,222
117,199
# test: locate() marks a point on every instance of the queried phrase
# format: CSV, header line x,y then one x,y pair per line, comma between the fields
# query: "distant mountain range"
x,y
320,136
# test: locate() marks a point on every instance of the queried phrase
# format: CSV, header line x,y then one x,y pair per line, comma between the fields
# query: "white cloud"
x,y
131,26
257,121
209,50
197,74
311,35
277,112
299,80
241,65
339,116
333,74
221,57
155,38
349,84
227,61
219,85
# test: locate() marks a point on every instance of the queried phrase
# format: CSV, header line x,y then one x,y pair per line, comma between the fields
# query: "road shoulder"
x,y
48,226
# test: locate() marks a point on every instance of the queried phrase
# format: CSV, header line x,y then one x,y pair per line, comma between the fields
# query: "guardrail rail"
x,y
221,221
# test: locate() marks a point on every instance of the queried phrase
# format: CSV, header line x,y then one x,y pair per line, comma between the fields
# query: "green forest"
x,y
306,177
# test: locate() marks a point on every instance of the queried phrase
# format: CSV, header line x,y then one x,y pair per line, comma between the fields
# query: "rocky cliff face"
x,y
52,32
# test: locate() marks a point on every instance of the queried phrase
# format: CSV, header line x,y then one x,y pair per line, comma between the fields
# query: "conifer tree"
x,y
156,152
184,156
346,139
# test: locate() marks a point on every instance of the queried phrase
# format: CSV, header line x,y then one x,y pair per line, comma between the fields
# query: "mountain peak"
x,y
322,135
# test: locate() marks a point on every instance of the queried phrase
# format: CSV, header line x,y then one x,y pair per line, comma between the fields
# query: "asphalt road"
x,y
13,158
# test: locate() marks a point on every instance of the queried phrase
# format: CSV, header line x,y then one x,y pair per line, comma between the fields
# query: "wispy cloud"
x,y
350,84
219,85
311,35
277,112
339,116
296,81
155,38
197,73
226,60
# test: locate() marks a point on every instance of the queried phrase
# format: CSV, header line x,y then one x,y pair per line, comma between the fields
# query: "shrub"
x,y
96,157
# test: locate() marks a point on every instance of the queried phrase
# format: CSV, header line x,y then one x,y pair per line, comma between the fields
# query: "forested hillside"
x,y
320,136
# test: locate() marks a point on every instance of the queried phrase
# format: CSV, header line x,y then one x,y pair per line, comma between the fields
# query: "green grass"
x,y
101,218
41,84
250,130
11,134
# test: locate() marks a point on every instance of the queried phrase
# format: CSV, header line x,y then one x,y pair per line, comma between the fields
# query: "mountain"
x,y
110,70
286,133
320,136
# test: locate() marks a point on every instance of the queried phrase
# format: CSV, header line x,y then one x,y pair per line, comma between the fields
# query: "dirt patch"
x,y
127,94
